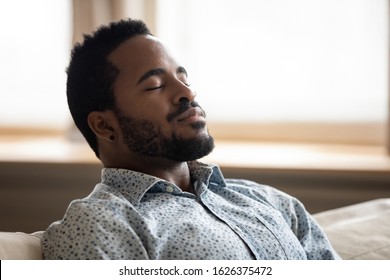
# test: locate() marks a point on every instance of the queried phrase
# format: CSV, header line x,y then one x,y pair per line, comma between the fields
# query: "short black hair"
x,y
91,76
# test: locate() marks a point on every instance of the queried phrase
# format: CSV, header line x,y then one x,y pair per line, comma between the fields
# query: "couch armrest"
x,y
360,231
21,246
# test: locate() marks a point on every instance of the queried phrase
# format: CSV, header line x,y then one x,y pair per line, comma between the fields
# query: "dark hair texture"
x,y
91,76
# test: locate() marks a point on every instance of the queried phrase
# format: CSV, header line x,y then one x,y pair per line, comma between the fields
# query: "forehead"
x,y
140,54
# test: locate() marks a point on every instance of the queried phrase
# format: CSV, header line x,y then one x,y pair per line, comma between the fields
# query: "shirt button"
x,y
169,189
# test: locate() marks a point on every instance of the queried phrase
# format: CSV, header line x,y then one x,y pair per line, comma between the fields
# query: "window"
x,y
34,54
265,70
286,67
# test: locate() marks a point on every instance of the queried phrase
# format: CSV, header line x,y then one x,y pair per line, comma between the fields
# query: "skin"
x,y
153,96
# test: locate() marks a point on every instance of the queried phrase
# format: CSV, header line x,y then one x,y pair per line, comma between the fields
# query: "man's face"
x,y
156,110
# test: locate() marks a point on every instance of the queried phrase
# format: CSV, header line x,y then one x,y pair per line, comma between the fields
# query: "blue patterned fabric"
x,y
131,215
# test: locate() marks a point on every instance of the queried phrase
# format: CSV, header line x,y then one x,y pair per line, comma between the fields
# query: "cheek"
x,y
153,108
144,109
156,114
156,109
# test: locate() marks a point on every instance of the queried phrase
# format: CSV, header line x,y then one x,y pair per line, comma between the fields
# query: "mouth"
x,y
192,114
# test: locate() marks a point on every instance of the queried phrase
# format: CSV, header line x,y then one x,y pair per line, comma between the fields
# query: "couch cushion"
x,y
359,231
20,246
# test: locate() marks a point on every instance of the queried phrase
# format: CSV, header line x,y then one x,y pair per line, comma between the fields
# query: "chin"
x,y
198,125
193,131
191,148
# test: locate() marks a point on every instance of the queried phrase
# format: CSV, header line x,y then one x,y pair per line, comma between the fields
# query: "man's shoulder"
x,y
101,196
103,201
102,206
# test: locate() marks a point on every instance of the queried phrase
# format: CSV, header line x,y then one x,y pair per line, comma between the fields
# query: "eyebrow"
x,y
182,70
160,71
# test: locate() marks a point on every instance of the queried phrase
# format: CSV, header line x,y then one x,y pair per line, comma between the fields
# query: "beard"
x,y
145,137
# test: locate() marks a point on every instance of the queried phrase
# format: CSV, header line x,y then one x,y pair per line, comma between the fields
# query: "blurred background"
x,y
296,92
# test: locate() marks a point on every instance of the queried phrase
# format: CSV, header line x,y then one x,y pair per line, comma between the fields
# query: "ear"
x,y
102,124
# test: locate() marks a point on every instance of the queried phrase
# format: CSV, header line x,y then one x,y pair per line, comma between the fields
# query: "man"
x,y
133,103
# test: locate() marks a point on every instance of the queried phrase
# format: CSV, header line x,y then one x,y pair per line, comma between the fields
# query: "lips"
x,y
194,112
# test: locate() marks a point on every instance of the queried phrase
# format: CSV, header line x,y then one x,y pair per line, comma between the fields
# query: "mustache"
x,y
184,106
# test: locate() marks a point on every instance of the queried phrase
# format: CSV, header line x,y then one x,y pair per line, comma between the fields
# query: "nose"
x,y
184,93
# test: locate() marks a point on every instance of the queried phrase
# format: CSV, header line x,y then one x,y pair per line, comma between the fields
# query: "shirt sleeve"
x,y
304,226
92,231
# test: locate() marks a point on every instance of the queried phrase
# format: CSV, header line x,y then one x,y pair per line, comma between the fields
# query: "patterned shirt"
x,y
131,215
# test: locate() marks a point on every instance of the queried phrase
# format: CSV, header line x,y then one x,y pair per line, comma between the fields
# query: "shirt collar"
x,y
207,173
133,185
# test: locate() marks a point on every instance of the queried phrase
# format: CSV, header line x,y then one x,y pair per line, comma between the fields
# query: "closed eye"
x,y
154,88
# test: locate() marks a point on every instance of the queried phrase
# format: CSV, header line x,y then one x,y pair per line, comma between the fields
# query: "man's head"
x,y
91,76
125,90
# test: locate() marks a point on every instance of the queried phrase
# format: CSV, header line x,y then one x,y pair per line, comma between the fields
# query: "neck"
x,y
175,172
